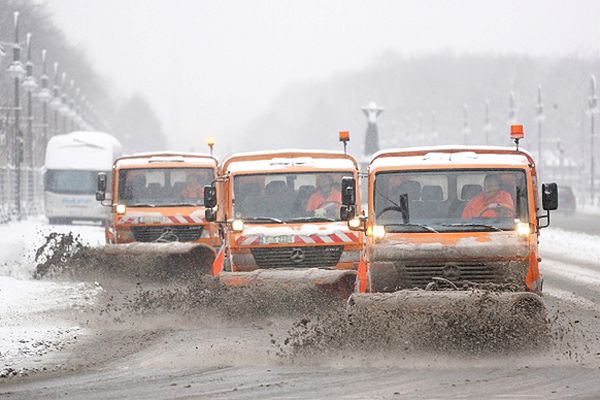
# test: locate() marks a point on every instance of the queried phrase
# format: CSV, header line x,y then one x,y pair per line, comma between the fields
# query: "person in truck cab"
x,y
492,202
194,187
325,198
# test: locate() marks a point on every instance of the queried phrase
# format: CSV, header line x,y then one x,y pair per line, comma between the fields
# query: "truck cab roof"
x,y
166,159
450,157
288,160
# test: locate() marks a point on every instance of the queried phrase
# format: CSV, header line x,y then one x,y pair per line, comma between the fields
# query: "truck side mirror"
x,y
210,196
348,191
101,193
549,196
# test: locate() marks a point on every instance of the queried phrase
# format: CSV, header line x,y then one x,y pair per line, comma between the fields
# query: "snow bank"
x,y
572,245
19,241
27,331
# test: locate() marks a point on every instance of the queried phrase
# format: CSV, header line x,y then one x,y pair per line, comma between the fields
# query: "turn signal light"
x,y
344,136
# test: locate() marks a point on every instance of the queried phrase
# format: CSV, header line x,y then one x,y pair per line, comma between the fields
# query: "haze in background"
x,y
212,67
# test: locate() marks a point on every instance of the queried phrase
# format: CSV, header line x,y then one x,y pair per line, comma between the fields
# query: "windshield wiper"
x,y
490,227
183,205
141,205
426,227
311,219
258,219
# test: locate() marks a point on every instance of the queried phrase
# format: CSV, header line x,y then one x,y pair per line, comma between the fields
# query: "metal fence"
x,y
31,111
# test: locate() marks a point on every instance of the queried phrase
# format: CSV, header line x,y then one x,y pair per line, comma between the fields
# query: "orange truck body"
x,y
168,217
277,246
401,257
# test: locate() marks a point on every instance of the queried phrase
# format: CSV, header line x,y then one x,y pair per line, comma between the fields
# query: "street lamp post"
x,y
466,125
55,103
29,84
64,107
16,71
539,109
45,95
487,125
592,104
512,109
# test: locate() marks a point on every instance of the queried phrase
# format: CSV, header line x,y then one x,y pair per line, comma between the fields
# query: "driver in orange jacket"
x,y
325,194
492,202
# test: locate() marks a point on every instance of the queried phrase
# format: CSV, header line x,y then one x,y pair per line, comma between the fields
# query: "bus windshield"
x,y
72,181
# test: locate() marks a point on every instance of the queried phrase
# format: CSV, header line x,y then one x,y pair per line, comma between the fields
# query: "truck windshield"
x,y
71,181
451,200
163,186
285,197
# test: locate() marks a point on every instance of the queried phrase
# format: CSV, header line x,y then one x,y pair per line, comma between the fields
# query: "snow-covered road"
x,y
168,355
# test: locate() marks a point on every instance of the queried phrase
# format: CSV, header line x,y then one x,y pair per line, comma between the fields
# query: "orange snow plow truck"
x,y
157,211
280,211
449,225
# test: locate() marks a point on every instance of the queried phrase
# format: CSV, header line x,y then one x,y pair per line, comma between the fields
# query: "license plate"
x,y
282,239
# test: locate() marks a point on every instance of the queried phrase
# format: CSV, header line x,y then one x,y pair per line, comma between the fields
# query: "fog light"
x,y
523,229
121,208
237,225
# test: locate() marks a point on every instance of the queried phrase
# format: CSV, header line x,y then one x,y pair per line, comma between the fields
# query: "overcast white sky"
x,y
208,67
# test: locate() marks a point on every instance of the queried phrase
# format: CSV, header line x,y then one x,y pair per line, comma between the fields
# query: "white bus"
x,y
71,168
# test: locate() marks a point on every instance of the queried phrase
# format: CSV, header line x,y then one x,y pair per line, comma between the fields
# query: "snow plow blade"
x,y
441,303
335,282
158,261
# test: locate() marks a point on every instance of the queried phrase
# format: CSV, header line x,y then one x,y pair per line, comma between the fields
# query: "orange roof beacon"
x,y
158,208
447,221
281,214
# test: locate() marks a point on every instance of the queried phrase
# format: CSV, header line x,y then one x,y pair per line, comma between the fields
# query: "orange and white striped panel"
x,y
333,238
160,219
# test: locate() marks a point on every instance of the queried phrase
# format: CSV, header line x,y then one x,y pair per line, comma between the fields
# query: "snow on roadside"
x,y
575,246
27,306
19,241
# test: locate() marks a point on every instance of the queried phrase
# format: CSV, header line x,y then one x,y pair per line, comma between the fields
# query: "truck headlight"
x,y
237,225
523,229
376,231
354,223
121,209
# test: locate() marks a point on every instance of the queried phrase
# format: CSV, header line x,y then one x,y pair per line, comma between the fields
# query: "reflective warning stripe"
x,y
160,219
340,237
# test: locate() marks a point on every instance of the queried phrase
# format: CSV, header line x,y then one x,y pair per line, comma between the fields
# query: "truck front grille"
x,y
421,275
166,233
297,257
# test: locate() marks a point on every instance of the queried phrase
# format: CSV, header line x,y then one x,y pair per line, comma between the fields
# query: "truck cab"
x,y
457,217
158,198
281,210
